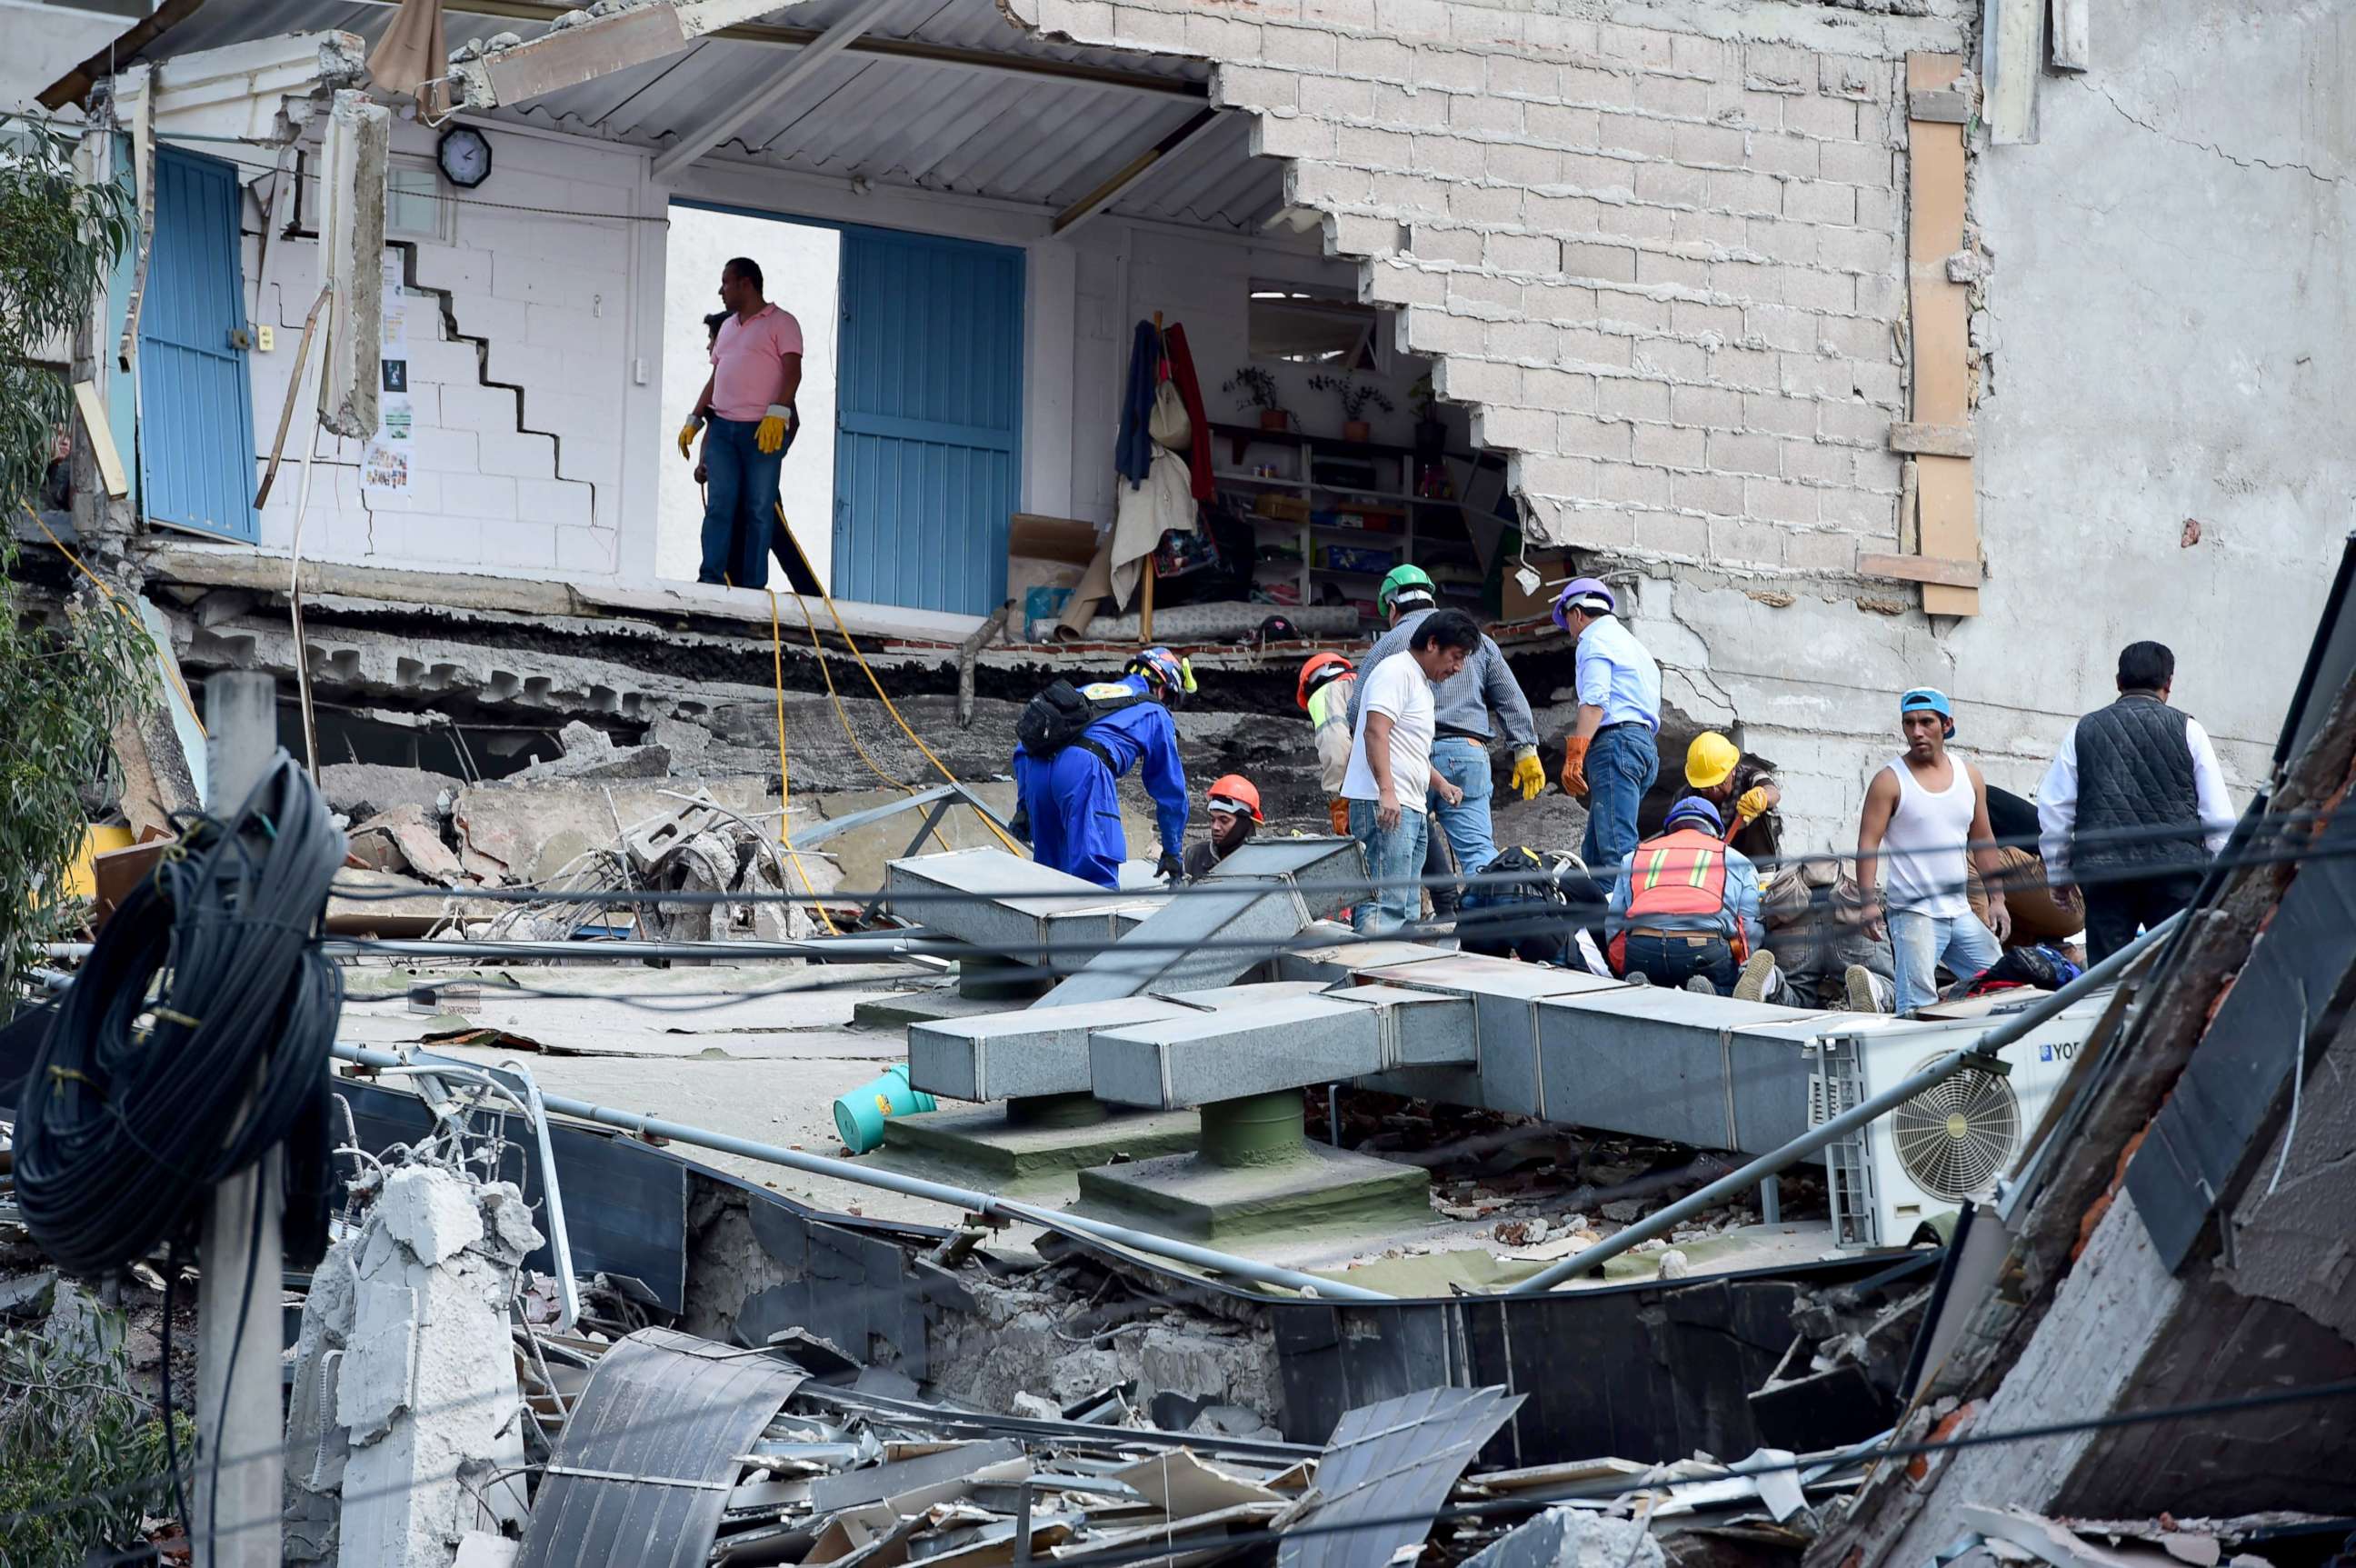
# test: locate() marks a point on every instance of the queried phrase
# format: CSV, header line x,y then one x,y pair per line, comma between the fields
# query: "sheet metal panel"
x,y
1019,906
1392,1462
1658,1063
196,411
644,1467
928,397
1210,938
1043,1049
1504,995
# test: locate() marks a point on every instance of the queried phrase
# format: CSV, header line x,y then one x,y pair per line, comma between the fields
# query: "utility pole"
x,y
236,1496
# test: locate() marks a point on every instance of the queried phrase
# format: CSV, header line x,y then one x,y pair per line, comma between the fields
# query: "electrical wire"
x,y
195,1037
785,777
852,643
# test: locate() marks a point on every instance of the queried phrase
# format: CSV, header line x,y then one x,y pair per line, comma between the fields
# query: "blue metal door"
x,y
196,411
928,420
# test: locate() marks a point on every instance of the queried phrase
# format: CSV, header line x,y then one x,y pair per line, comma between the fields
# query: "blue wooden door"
x,y
196,411
927,420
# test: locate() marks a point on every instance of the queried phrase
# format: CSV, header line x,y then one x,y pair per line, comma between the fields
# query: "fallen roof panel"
x,y
648,1459
1394,1460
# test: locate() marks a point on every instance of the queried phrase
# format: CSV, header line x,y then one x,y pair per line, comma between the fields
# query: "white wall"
x,y
527,482
800,266
44,43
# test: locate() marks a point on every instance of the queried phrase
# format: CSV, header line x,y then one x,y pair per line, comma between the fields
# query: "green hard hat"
x,y
1402,579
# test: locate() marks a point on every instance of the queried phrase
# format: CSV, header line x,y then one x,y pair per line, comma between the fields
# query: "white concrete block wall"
x,y
1661,268
519,368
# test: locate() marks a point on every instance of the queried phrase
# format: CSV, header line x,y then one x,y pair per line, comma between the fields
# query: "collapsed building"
x,y
1786,316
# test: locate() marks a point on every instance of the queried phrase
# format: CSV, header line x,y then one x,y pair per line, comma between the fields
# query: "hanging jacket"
x,y
1133,454
1686,881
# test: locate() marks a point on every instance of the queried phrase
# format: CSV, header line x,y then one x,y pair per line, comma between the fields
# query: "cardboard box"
x,y
1046,553
1553,569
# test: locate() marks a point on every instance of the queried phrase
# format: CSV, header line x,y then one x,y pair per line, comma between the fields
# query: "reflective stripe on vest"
x,y
1683,872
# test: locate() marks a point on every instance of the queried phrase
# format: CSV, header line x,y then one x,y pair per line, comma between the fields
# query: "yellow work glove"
x,y
1528,777
1751,804
686,433
772,432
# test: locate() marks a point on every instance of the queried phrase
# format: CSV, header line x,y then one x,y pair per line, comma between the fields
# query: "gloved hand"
x,y
1528,777
1020,825
1574,766
1340,808
771,432
1753,802
1170,868
686,433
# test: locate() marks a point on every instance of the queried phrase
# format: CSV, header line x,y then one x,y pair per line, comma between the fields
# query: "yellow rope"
x,y
843,715
1003,837
785,788
170,667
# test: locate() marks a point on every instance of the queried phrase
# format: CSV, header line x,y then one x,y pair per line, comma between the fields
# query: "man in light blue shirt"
x,y
1610,759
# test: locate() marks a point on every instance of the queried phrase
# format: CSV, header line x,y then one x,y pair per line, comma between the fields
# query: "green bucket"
x,y
859,1113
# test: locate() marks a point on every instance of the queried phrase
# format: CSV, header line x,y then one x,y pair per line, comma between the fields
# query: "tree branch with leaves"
x,y
74,670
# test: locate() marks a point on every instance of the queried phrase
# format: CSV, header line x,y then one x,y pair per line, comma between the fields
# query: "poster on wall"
x,y
384,462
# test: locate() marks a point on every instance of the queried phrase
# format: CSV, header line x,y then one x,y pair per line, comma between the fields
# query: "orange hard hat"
x,y
1235,787
1312,675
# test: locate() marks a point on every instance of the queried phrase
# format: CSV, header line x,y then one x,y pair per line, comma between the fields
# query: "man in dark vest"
x,y
2132,806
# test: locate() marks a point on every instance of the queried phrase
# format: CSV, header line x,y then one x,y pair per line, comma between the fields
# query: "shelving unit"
x,y
1301,539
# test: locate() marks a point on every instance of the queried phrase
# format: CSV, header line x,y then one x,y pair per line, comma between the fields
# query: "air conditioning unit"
x,y
1949,1143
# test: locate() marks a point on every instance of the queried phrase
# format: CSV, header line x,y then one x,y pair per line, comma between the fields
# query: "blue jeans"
x,y
740,505
1673,960
1394,863
1921,942
1465,764
1622,764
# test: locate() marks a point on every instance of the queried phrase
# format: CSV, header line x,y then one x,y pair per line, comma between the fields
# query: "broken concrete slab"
x,y
363,790
406,838
527,831
590,754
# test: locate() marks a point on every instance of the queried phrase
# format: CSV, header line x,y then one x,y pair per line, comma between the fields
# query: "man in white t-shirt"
x,y
1390,780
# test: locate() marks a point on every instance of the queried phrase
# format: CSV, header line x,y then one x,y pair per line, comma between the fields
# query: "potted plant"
x,y
1356,397
1254,387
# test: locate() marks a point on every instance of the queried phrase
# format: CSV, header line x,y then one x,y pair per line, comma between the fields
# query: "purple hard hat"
x,y
1586,593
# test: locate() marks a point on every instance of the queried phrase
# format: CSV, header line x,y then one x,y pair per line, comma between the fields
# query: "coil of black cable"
x,y
194,1039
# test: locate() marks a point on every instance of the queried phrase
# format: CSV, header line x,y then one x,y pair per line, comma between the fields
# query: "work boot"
x,y
1859,983
1757,972
1699,986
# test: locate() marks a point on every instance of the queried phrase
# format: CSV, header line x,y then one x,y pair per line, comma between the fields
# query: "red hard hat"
x,y
1308,674
1236,788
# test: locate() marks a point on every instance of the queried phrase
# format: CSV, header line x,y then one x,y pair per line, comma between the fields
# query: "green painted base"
x,y
902,1008
979,1146
1323,1188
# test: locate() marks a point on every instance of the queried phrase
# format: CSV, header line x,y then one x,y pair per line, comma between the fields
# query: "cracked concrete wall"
x,y
520,321
1657,251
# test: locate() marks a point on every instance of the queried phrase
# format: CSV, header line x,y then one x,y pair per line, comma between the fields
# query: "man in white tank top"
x,y
1921,812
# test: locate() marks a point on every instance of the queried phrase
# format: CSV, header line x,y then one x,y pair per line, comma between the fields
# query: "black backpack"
x,y
1062,714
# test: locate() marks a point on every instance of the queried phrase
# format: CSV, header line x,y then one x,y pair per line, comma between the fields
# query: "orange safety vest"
x,y
1680,873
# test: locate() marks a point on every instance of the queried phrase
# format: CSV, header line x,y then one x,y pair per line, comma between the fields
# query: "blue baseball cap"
x,y
1929,700
1700,812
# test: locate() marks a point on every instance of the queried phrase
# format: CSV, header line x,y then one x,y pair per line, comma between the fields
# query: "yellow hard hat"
x,y
1709,759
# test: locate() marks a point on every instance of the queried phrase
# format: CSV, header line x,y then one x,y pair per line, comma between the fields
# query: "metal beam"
x,y
1125,180
73,85
697,140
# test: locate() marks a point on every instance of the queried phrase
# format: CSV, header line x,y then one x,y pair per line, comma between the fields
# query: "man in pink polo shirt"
x,y
748,403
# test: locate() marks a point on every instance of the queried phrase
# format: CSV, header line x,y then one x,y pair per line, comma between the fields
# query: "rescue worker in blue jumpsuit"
x,y
1069,799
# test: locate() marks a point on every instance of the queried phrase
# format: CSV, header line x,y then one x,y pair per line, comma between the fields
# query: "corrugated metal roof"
x,y
1040,140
